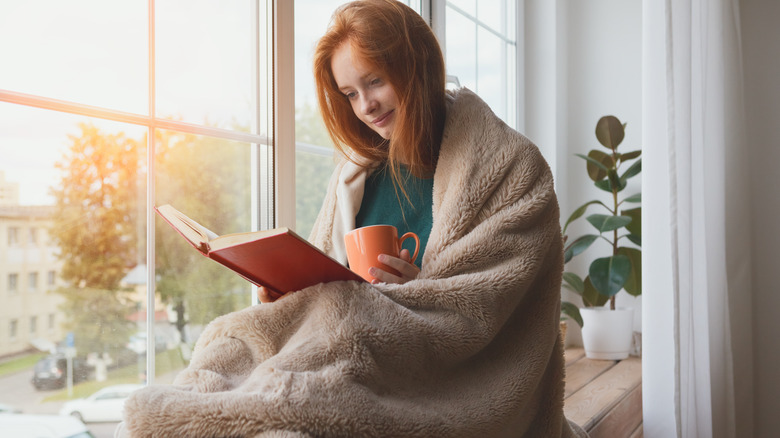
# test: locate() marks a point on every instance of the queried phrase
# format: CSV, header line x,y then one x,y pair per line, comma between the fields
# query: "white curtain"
x,y
696,249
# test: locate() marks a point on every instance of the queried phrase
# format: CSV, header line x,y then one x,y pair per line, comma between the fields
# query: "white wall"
x,y
760,42
582,62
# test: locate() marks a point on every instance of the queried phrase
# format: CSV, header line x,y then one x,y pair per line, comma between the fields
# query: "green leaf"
x,y
579,245
572,311
637,240
604,222
610,132
579,212
617,183
595,172
591,297
635,227
604,184
609,274
630,155
596,167
634,198
633,170
574,280
633,284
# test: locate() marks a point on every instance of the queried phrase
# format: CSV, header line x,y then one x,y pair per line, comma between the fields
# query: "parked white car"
x,y
104,405
8,409
42,426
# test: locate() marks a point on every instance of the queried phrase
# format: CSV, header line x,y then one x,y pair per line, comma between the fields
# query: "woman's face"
x,y
372,97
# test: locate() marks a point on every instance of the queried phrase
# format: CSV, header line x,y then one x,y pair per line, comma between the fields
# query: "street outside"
x,y
30,401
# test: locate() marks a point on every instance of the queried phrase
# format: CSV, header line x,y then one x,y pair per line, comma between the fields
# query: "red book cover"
x,y
277,259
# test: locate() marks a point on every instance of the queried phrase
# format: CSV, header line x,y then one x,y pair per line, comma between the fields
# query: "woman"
x,y
465,344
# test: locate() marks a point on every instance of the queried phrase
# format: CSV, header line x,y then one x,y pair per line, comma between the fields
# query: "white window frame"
x,y
435,12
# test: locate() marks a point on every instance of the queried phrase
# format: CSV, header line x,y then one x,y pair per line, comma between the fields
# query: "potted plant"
x,y
620,268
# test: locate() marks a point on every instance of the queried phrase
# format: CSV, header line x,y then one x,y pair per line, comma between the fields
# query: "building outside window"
x,y
13,282
13,236
32,281
12,328
33,325
51,278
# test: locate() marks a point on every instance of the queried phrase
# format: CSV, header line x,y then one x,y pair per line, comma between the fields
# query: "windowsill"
x,y
604,397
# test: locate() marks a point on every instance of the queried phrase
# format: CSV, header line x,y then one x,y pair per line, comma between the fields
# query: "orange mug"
x,y
365,244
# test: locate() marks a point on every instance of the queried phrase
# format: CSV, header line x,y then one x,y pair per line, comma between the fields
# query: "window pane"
x,y
204,62
80,183
209,180
467,6
59,49
314,160
481,52
491,82
461,49
491,14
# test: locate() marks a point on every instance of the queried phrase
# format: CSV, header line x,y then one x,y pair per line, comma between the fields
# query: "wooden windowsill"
x,y
604,396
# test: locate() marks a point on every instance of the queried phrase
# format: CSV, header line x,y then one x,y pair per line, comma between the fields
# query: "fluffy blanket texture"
x,y
470,348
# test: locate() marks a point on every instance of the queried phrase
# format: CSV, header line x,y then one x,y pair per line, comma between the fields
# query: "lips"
x,y
383,119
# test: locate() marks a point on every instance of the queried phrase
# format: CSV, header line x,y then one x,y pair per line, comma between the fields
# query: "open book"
x,y
277,259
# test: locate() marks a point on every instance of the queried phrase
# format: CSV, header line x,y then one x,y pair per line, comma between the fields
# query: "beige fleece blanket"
x,y
468,349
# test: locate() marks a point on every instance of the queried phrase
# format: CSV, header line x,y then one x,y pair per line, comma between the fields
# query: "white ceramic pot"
x,y
607,334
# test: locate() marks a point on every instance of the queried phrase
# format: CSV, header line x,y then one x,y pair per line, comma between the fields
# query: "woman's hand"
x,y
265,295
404,265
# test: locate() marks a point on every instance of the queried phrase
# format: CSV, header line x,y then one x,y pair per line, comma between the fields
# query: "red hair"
x,y
392,38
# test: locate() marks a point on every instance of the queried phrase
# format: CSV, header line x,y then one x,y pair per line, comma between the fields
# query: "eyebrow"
x,y
362,78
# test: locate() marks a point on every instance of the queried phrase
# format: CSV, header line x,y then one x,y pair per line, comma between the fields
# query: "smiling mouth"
x,y
382,119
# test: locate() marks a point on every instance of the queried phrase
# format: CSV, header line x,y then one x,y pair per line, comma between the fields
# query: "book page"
x,y
195,233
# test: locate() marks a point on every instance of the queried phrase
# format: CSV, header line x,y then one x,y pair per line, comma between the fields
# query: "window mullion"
x,y
150,188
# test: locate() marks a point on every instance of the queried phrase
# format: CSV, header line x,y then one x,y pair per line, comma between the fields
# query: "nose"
x,y
367,103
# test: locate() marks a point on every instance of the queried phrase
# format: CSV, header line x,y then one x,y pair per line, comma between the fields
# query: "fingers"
x,y
407,270
265,295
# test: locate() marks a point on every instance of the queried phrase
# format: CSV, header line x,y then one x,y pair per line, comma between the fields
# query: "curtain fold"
x,y
701,114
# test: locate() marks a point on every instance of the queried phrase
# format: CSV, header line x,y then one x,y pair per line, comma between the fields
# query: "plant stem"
x,y
614,232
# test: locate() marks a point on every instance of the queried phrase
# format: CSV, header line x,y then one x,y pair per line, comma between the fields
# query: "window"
x,y
32,281
105,111
13,282
481,51
13,236
12,327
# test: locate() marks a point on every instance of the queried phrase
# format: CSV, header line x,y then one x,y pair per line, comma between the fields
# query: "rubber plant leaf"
x,y
633,284
610,132
574,281
591,297
635,226
609,274
581,244
572,311
605,223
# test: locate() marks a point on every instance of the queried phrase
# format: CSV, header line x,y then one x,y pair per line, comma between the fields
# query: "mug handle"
x,y
416,246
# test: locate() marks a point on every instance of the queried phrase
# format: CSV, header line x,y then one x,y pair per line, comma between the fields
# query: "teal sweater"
x,y
382,205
